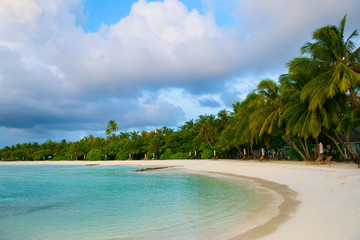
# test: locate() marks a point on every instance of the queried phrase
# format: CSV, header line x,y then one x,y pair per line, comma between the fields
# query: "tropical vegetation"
x,y
316,101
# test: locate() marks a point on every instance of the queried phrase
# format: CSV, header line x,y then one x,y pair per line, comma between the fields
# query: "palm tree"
x,y
299,122
206,129
338,64
246,132
334,80
188,126
347,125
268,110
111,128
124,135
222,120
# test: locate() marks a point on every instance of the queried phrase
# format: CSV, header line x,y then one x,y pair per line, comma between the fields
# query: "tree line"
x,y
316,101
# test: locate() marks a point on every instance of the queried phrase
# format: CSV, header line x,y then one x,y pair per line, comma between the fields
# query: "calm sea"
x,y
83,202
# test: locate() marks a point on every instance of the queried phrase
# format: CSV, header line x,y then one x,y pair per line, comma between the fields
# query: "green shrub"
x,y
60,157
95,154
179,155
18,155
166,155
121,155
293,154
207,154
41,155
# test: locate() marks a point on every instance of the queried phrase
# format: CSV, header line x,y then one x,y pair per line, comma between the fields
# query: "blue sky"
x,y
111,11
68,67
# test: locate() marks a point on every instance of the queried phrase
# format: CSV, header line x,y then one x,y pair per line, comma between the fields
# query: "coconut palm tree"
x,y
268,111
188,126
347,125
246,132
124,135
111,128
301,121
339,66
298,121
206,129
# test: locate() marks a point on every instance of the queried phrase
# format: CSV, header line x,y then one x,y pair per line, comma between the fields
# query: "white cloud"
x,y
53,75
158,43
193,105
274,31
152,112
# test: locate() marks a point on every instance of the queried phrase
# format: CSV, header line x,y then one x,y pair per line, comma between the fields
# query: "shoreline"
x,y
288,205
321,202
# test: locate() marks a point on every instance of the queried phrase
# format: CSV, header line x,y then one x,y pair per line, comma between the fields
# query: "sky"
x,y
67,67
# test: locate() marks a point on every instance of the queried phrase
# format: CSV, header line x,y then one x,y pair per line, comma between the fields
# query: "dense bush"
x,y
59,158
166,155
95,154
179,155
18,155
293,154
207,153
121,155
41,155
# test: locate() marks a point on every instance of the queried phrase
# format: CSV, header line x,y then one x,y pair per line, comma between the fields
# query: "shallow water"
x,y
80,202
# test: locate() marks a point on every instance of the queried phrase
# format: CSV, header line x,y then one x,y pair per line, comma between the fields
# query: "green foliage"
x,y
5,153
207,153
121,155
112,149
42,154
95,155
166,155
111,128
293,154
18,155
179,155
169,155
60,158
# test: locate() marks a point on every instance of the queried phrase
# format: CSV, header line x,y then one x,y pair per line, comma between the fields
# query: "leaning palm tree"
x,y
298,121
301,121
338,64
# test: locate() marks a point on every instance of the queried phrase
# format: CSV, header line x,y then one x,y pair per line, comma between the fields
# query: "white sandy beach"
x,y
329,197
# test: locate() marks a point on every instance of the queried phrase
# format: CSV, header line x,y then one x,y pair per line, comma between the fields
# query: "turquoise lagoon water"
x,y
82,202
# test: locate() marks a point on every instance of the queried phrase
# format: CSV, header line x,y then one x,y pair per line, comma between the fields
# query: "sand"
x,y
321,202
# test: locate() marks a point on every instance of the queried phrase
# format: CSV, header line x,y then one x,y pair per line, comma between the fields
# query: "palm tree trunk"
x,y
252,151
282,153
351,149
207,139
344,145
238,148
336,143
307,149
317,151
297,149
304,148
